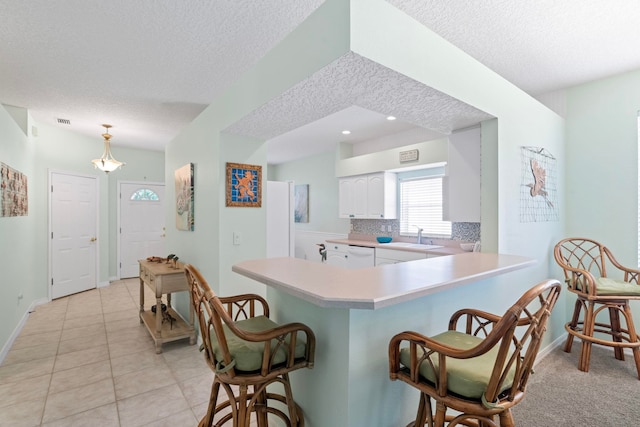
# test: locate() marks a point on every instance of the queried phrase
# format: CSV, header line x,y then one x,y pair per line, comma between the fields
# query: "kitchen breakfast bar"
x,y
354,314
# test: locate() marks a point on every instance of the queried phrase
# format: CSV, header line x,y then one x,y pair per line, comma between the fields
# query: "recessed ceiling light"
x,y
346,132
391,118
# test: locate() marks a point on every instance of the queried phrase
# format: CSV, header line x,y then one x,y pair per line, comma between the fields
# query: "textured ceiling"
x,y
540,45
150,66
352,81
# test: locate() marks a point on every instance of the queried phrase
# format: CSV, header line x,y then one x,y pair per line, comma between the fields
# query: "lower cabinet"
x,y
391,256
337,255
348,256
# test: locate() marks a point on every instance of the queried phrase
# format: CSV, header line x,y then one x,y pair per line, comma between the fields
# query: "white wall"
x,y
411,49
23,261
319,173
60,149
19,263
430,152
209,247
602,165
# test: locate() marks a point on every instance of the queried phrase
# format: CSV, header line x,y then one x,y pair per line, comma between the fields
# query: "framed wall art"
x,y
14,197
244,185
301,203
538,191
184,198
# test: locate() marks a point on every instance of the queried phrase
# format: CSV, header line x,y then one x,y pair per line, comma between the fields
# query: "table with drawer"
x,y
163,278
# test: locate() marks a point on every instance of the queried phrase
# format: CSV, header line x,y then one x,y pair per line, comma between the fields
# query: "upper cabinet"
x,y
370,196
352,197
461,185
381,195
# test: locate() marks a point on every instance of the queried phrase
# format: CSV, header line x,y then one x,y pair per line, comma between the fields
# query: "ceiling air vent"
x,y
64,121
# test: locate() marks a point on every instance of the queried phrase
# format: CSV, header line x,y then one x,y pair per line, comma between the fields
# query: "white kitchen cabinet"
x,y
381,195
371,196
337,256
348,256
353,197
461,185
392,256
346,198
360,195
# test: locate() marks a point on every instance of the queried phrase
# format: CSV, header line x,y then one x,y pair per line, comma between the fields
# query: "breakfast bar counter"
x,y
376,287
354,314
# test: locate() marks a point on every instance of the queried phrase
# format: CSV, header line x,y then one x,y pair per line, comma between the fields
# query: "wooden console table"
x,y
164,279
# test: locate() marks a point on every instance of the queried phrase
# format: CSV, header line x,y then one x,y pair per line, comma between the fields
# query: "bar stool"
x,y
584,262
249,352
480,371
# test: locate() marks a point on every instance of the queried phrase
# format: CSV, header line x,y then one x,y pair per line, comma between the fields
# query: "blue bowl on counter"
x,y
383,239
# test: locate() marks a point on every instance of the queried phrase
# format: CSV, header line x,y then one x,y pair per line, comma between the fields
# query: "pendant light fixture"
x,y
106,162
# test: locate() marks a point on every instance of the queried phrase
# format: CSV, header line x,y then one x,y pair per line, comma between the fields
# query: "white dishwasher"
x,y
360,257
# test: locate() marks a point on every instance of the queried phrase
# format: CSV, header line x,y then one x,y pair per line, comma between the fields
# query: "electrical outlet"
x,y
389,228
382,227
237,238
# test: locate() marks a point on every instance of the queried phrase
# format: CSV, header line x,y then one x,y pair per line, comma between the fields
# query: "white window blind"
x,y
421,206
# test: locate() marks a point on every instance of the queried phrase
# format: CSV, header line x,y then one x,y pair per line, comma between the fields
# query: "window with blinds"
x,y
421,207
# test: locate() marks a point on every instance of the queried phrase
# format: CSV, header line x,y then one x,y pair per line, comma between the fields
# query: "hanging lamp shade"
x,y
107,163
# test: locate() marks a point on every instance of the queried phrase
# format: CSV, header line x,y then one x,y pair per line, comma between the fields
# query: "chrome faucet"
x,y
419,234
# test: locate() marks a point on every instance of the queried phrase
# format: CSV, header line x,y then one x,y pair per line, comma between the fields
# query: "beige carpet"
x,y
558,394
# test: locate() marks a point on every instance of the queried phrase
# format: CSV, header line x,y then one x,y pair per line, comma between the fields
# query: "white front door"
x,y
73,223
142,226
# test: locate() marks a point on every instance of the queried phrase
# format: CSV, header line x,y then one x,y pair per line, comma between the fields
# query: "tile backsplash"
x,y
463,231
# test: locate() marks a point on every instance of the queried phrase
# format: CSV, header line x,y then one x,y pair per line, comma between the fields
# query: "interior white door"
x,y
142,226
73,219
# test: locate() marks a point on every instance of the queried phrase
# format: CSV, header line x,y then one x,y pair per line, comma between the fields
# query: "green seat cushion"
x,y
606,286
465,377
247,354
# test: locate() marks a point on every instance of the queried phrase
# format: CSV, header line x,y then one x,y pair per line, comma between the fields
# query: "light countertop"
x,y
442,250
376,287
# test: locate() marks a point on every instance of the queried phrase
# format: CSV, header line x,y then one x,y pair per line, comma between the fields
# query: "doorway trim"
x,y
50,173
119,212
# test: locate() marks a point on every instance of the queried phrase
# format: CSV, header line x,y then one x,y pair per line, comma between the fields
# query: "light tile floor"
x,y
85,360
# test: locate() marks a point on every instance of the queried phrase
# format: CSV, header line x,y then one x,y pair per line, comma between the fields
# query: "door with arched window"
x,y
141,225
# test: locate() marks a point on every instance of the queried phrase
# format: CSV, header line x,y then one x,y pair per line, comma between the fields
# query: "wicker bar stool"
x,y
584,262
481,370
248,352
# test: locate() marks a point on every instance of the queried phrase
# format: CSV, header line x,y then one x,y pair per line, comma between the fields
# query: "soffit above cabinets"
x,y
354,81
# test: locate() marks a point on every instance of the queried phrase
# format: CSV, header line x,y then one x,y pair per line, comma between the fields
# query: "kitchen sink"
x,y
411,245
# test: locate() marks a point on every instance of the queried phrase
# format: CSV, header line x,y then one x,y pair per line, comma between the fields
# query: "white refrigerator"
x,y
280,220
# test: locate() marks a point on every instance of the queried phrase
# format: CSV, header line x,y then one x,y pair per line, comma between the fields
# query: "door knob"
x,y
93,239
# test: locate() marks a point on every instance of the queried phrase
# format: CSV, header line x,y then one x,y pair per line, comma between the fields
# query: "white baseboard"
x,y
552,346
19,326
104,284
